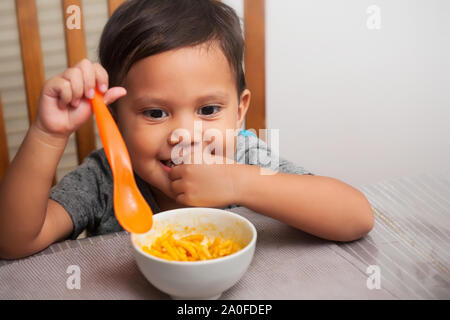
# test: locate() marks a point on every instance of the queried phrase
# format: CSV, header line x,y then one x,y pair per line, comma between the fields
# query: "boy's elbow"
x,y
365,226
357,232
364,222
6,254
368,219
13,252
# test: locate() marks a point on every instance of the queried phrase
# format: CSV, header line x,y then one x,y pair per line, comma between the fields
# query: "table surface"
x,y
409,245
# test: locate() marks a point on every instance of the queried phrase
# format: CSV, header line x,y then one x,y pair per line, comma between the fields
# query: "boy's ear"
x,y
244,103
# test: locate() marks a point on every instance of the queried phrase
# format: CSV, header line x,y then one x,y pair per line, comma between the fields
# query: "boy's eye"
x,y
155,113
208,110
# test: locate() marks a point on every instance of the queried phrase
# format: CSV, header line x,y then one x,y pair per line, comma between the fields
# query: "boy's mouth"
x,y
168,163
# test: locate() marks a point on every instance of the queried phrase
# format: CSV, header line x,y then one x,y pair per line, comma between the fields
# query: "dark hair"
x,y
141,28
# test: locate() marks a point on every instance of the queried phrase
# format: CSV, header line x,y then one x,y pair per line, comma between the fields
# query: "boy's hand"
x,y
206,185
64,103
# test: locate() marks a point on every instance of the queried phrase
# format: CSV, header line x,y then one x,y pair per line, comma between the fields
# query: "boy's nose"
x,y
186,131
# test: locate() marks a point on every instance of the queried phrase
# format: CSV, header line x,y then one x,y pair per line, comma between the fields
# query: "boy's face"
x,y
170,91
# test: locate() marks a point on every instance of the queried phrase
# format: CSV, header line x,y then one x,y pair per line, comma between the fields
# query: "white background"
x,y
356,104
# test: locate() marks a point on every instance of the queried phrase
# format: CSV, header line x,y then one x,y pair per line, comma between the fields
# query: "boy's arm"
x,y
322,206
29,221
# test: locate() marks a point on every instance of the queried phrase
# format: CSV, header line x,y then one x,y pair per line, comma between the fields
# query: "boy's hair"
x,y
141,28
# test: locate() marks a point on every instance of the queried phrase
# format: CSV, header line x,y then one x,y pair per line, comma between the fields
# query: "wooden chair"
x,y
4,154
33,69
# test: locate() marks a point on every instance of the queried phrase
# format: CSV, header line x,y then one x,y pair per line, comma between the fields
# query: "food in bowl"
x,y
193,247
202,279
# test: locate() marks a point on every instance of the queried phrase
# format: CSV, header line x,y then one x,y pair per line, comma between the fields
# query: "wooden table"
x,y
409,249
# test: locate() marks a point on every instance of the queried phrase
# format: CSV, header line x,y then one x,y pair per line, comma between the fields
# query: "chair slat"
x,y
113,4
255,71
30,47
76,51
4,155
30,44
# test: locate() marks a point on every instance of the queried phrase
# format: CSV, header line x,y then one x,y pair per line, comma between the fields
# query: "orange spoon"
x,y
131,209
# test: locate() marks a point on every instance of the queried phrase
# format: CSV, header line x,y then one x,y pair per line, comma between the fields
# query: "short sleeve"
x,y
286,166
254,151
80,194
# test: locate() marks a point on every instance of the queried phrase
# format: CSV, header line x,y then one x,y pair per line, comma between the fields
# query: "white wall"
x,y
356,104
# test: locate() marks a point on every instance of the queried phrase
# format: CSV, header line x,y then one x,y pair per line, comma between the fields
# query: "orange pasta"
x,y
193,247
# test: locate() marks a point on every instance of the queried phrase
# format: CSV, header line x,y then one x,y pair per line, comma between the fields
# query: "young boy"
x,y
168,65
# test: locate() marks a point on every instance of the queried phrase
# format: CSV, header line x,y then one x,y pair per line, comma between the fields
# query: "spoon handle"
x,y
130,207
113,143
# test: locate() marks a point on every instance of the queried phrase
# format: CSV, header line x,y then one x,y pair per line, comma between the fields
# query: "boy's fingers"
x,y
113,94
175,173
88,72
101,77
177,186
76,80
51,88
64,89
84,110
181,198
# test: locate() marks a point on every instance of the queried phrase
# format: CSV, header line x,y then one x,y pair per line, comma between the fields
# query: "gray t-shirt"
x,y
87,192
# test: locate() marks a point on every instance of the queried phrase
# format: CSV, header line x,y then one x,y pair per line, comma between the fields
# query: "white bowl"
x,y
205,279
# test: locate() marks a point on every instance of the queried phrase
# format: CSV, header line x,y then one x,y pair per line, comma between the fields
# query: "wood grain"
x,y
76,51
113,4
30,48
4,155
255,58
30,44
